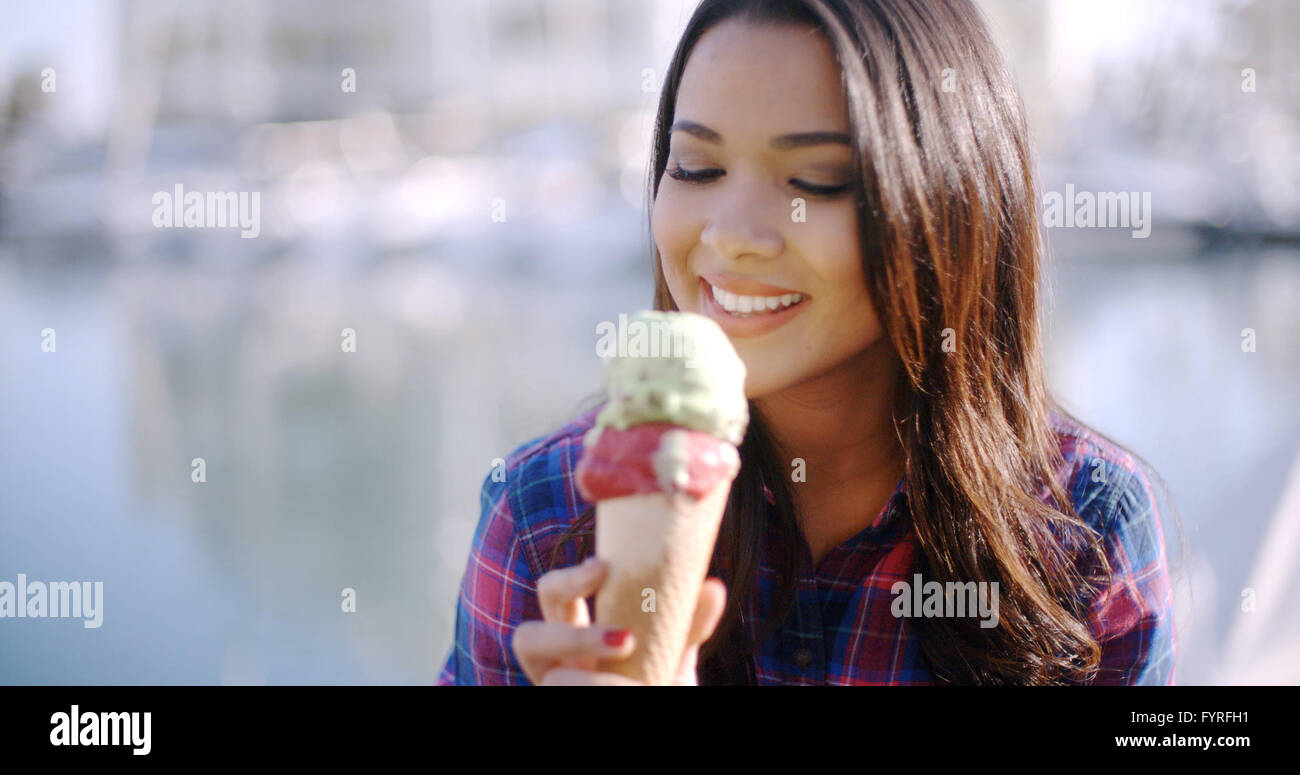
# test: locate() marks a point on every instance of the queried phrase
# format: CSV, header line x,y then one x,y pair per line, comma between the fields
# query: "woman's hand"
x,y
563,648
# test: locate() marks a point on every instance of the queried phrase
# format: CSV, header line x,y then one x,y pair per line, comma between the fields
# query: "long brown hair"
x,y
951,246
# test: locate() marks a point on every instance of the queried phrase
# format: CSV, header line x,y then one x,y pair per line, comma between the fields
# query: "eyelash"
x,y
704,176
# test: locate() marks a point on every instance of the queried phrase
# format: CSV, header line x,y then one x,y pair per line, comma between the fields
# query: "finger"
x,y
708,612
687,675
542,646
570,676
561,593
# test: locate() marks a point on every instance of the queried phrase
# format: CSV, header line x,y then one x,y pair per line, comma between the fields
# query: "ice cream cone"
x,y
658,547
658,464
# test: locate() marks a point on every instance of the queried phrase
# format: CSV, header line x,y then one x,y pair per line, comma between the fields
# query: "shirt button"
x,y
803,657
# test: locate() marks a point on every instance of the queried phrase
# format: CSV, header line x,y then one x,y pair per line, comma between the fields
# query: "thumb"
x,y
708,612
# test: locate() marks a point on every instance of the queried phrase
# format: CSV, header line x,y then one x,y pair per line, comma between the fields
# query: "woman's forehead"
x,y
762,79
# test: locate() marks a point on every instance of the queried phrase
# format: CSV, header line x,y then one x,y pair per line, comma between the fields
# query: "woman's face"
x,y
736,238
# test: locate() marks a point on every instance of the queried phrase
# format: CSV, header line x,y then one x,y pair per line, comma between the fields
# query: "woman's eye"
x,y
817,190
692,176
677,172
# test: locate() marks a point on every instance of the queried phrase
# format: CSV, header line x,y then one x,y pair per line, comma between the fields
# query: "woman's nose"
x,y
741,226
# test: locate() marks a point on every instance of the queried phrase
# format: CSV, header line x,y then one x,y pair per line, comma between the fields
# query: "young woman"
x,y
864,164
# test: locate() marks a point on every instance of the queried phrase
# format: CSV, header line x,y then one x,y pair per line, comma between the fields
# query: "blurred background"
x,y
328,470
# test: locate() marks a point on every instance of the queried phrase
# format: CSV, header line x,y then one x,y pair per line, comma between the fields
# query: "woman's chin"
x,y
759,385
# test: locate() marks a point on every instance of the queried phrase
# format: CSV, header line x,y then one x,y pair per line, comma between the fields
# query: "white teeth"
x,y
745,305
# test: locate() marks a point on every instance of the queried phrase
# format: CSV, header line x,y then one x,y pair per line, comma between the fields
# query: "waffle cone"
x,y
658,549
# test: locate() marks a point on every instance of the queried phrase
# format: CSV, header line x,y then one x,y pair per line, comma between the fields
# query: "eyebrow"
x,y
779,143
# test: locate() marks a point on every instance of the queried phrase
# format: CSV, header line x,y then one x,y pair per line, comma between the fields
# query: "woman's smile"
x,y
764,308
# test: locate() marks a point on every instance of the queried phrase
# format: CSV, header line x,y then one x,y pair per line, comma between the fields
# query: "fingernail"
x,y
615,638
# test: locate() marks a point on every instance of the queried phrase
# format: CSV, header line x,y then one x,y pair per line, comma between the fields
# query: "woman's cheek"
x,y
839,245
835,255
671,233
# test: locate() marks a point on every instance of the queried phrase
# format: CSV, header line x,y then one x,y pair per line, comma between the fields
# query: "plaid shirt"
x,y
841,629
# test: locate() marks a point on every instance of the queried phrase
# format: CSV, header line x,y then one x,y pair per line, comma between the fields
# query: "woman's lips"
x,y
751,324
744,286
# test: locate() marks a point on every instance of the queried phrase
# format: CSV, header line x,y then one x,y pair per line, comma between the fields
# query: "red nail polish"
x,y
615,638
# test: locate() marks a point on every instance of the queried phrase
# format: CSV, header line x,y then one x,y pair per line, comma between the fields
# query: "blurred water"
x,y
325,469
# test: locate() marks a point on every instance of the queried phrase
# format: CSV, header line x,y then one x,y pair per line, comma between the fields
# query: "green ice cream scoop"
x,y
672,367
